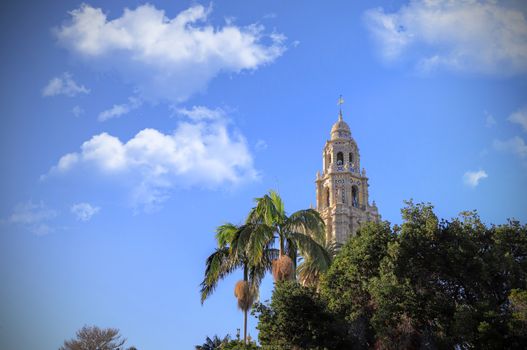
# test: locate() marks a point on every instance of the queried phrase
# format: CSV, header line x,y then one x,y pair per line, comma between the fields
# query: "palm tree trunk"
x,y
245,311
281,248
245,327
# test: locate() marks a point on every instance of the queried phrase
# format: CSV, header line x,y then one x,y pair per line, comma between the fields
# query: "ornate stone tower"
x,y
342,189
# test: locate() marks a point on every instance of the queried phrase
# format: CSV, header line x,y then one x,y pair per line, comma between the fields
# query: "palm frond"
x,y
278,202
251,241
218,265
225,234
308,222
268,210
309,272
257,272
311,249
291,250
333,248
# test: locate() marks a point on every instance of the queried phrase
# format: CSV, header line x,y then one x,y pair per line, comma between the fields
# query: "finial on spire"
x,y
340,102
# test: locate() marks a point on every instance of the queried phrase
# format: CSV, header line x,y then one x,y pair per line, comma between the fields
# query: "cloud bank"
x,y
514,145
519,117
481,36
490,121
34,217
200,152
77,111
168,58
119,110
84,211
64,85
472,178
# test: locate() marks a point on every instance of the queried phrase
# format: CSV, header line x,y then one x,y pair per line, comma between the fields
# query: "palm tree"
x,y
213,344
303,232
251,247
228,258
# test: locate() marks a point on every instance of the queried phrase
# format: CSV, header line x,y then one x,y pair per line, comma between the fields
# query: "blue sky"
x,y
131,130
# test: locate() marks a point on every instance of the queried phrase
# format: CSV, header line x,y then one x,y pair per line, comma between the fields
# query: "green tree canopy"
x,y
345,285
431,283
298,318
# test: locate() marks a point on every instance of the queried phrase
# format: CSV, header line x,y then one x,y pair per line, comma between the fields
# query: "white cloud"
x,y
472,178
67,161
84,211
168,58
199,113
519,117
64,85
466,35
33,217
514,145
119,110
202,152
489,120
77,111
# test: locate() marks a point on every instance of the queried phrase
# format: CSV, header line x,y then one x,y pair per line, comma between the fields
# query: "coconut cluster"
x,y
245,294
283,268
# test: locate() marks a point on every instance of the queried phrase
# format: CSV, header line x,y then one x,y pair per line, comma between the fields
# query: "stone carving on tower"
x,y
342,188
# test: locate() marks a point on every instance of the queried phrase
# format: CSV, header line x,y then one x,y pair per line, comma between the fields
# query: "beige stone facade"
x,y
342,188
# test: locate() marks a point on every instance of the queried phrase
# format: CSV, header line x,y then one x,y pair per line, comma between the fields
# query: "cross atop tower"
x,y
340,102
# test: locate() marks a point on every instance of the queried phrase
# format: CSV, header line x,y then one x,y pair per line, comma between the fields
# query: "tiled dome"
x,y
340,129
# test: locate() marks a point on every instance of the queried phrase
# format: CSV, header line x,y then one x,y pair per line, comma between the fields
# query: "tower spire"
x,y
340,102
342,188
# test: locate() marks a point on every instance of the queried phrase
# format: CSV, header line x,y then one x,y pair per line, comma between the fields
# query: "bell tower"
x,y
342,188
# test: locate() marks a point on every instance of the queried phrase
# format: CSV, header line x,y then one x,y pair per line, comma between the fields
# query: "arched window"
x,y
343,195
340,158
351,157
327,197
355,196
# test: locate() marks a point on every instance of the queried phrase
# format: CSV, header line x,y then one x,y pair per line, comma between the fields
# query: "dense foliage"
x,y
240,345
226,343
431,284
428,284
298,317
345,285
